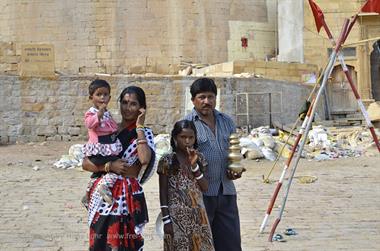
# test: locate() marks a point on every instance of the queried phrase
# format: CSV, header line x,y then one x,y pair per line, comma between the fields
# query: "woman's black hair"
x,y
96,84
203,85
177,129
140,94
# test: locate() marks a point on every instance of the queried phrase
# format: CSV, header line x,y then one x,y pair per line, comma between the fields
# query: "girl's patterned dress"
x,y
102,146
102,140
186,208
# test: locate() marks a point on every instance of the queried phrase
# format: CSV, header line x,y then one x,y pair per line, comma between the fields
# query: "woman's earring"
x,y
175,143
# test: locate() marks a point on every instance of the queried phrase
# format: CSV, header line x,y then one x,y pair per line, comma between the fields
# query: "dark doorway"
x,y
375,71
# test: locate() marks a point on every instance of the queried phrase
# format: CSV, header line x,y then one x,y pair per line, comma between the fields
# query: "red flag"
x,y
318,14
371,6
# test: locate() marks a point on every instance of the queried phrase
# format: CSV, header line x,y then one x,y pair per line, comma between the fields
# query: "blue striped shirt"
x,y
215,149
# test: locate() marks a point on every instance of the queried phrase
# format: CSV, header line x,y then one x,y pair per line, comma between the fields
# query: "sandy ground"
x,y
41,209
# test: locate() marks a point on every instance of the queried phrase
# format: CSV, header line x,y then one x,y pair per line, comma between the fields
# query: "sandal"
x,y
290,231
279,238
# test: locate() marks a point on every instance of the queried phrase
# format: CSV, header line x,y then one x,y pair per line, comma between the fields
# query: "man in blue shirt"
x,y
213,131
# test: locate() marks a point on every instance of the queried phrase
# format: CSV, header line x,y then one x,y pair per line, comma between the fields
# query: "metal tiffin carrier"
x,y
234,155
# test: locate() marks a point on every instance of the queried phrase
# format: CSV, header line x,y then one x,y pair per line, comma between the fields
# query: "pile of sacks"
x,y
259,144
73,159
162,144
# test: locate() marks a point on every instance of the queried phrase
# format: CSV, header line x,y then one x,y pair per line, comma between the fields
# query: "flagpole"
x,y
326,75
351,82
280,181
290,157
320,22
319,18
353,21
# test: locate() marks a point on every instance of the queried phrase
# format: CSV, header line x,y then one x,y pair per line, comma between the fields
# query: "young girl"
x,y
102,146
182,181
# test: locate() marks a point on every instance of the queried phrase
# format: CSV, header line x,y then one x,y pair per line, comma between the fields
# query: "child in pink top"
x,y
103,145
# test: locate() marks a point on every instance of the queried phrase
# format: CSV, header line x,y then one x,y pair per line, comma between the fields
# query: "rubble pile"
x,y
323,143
331,143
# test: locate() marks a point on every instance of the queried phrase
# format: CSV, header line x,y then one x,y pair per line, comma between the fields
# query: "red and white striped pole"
x,y
280,181
326,75
360,102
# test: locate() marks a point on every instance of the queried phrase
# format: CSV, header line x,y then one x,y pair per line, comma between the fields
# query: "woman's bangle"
x,y
141,129
195,169
164,206
139,126
199,177
141,141
107,167
167,221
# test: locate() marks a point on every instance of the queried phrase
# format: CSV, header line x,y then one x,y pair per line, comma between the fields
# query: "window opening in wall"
x,y
254,109
244,42
348,51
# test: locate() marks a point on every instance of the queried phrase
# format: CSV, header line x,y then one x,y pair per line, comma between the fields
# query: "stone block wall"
x,y
118,36
35,109
8,59
292,72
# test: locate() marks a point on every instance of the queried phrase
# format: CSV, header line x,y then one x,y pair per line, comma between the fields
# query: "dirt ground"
x,y
41,207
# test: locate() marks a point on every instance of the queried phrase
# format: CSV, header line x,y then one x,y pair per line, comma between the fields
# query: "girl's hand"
x,y
102,110
141,118
168,228
192,155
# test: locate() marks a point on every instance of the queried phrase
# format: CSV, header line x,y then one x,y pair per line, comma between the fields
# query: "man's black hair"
x,y
202,85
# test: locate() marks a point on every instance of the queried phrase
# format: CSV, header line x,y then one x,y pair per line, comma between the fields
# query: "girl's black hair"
x,y
140,94
96,84
203,85
177,129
